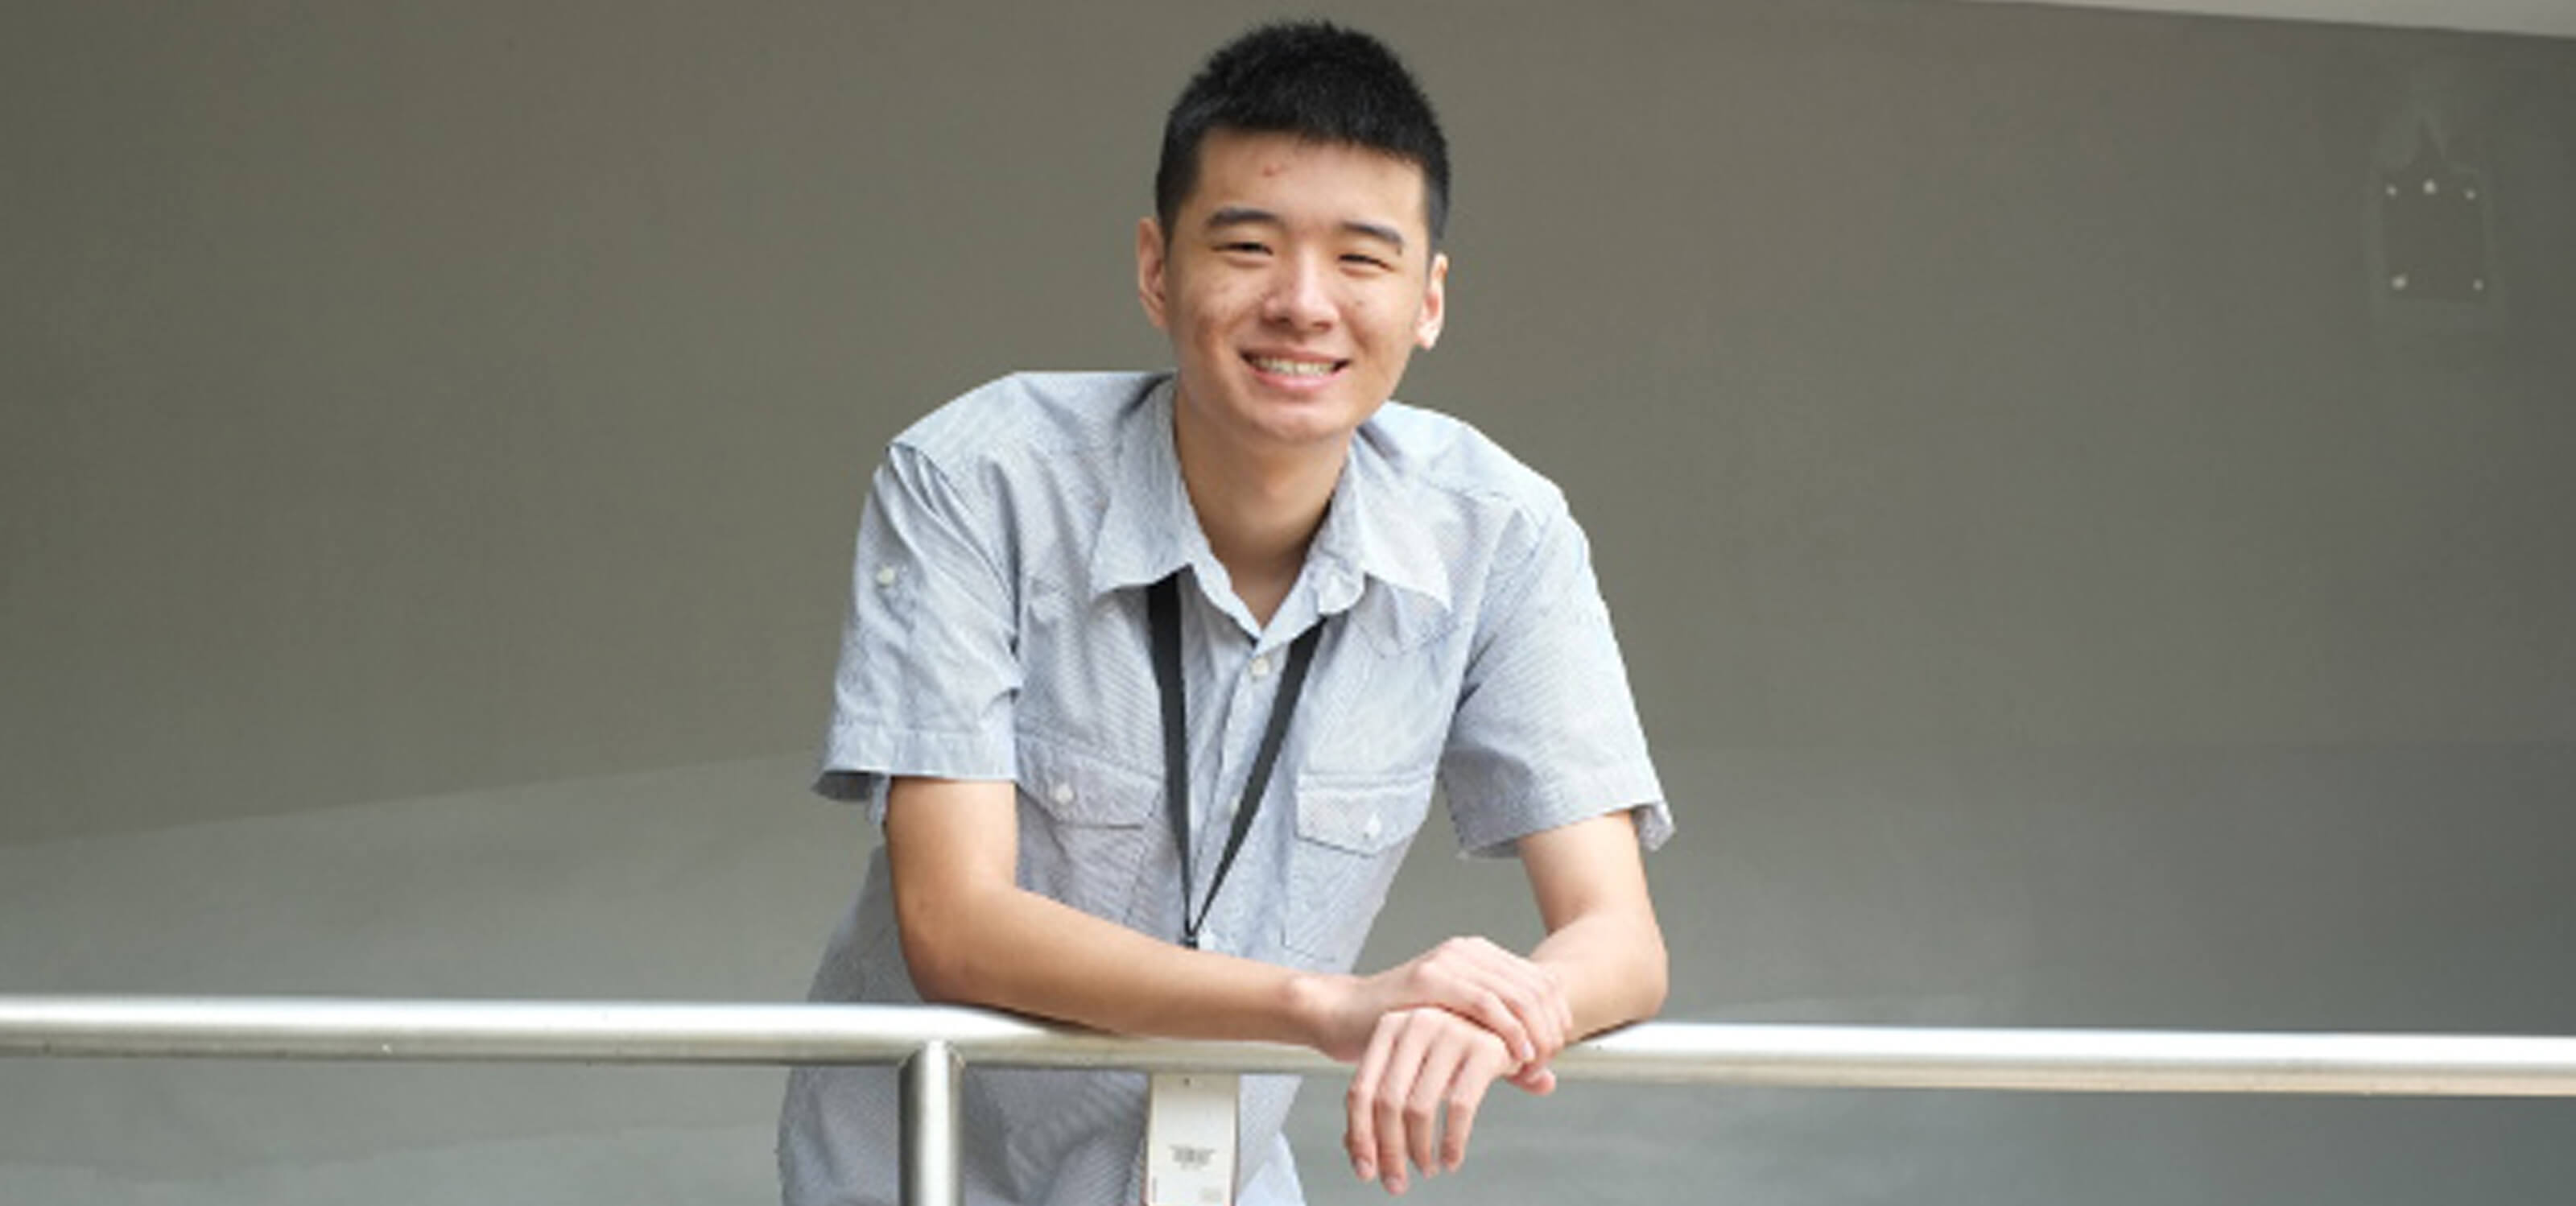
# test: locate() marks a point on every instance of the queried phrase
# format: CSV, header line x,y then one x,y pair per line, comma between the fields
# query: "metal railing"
x,y
934,1044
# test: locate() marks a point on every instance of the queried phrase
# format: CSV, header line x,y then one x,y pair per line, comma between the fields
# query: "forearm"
x,y
1007,948
1603,944
1613,967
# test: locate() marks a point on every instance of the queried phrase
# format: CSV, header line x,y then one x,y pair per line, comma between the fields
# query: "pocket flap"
x,y
1361,817
1083,789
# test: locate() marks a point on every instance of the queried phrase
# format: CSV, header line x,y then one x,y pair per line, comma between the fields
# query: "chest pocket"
x,y
1083,827
1351,837
1383,711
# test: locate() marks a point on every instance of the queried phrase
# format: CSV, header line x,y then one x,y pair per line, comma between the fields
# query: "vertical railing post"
x,y
933,1170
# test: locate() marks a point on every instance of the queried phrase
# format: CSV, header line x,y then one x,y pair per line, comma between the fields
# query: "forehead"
x,y
1302,178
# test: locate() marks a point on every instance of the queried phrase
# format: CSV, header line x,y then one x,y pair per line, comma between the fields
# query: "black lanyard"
x,y
1163,611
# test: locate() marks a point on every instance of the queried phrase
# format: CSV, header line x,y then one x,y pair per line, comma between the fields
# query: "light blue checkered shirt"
x,y
997,631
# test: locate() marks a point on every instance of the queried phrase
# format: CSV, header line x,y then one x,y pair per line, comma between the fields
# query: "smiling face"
x,y
1295,283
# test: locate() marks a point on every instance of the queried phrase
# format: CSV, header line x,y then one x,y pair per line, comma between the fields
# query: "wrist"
x,y
1312,1002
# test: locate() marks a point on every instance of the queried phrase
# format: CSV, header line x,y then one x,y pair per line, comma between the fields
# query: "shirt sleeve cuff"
x,y
1491,829
859,760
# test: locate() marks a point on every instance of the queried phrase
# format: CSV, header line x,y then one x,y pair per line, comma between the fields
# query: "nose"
x,y
1300,294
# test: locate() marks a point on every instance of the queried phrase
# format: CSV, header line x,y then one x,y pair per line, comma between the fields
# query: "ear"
x,y
1435,303
1152,258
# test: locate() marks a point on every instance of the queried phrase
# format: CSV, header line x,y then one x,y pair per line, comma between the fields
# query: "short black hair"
x,y
1315,80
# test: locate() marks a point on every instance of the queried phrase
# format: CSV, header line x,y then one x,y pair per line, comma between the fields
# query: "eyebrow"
x,y
1244,215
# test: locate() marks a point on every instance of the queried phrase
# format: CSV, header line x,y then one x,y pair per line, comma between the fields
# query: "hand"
x,y
1424,1066
1521,1002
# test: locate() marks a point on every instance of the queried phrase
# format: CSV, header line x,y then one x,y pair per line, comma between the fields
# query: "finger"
x,y
1360,1104
1538,1014
1394,1094
1537,1080
1543,998
1534,998
1541,1016
1466,1094
1502,999
1490,1008
1441,1061
1473,977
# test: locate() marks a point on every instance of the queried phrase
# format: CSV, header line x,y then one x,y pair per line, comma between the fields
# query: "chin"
x,y
1310,420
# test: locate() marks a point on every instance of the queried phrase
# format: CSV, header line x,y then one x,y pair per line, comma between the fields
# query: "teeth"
x,y
1293,368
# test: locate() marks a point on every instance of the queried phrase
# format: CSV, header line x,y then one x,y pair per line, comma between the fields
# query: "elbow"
x,y
1652,990
937,951
936,978
1653,981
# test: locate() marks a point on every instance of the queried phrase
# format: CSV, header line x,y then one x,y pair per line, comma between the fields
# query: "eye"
x,y
1359,260
1244,247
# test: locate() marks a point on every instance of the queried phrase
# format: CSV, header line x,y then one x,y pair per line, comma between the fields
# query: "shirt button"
x,y
886,575
1064,793
1373,827
1261,666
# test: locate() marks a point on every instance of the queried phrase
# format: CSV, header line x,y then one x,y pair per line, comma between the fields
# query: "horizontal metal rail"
x,y
933,1045
2077,1060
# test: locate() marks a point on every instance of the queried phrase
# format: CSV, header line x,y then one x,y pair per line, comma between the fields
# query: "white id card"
x,y
1190,1139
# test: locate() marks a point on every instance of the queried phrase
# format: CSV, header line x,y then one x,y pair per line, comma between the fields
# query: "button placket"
x,y
1250,691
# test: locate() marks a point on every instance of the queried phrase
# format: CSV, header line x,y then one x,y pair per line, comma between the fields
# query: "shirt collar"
x,y
1372,530
1147,530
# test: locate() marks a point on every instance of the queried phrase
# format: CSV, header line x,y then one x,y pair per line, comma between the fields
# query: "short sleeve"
x,y
1546,732
928,673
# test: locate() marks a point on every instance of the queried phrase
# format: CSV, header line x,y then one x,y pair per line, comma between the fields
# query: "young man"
x,y
1148,679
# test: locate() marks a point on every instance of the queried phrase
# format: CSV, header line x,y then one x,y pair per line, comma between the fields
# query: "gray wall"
x,y
2063,585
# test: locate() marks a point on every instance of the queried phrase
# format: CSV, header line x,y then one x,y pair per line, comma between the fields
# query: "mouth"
x,y
1294,370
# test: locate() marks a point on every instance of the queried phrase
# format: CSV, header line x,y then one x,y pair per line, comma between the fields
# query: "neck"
x,y
1259,511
